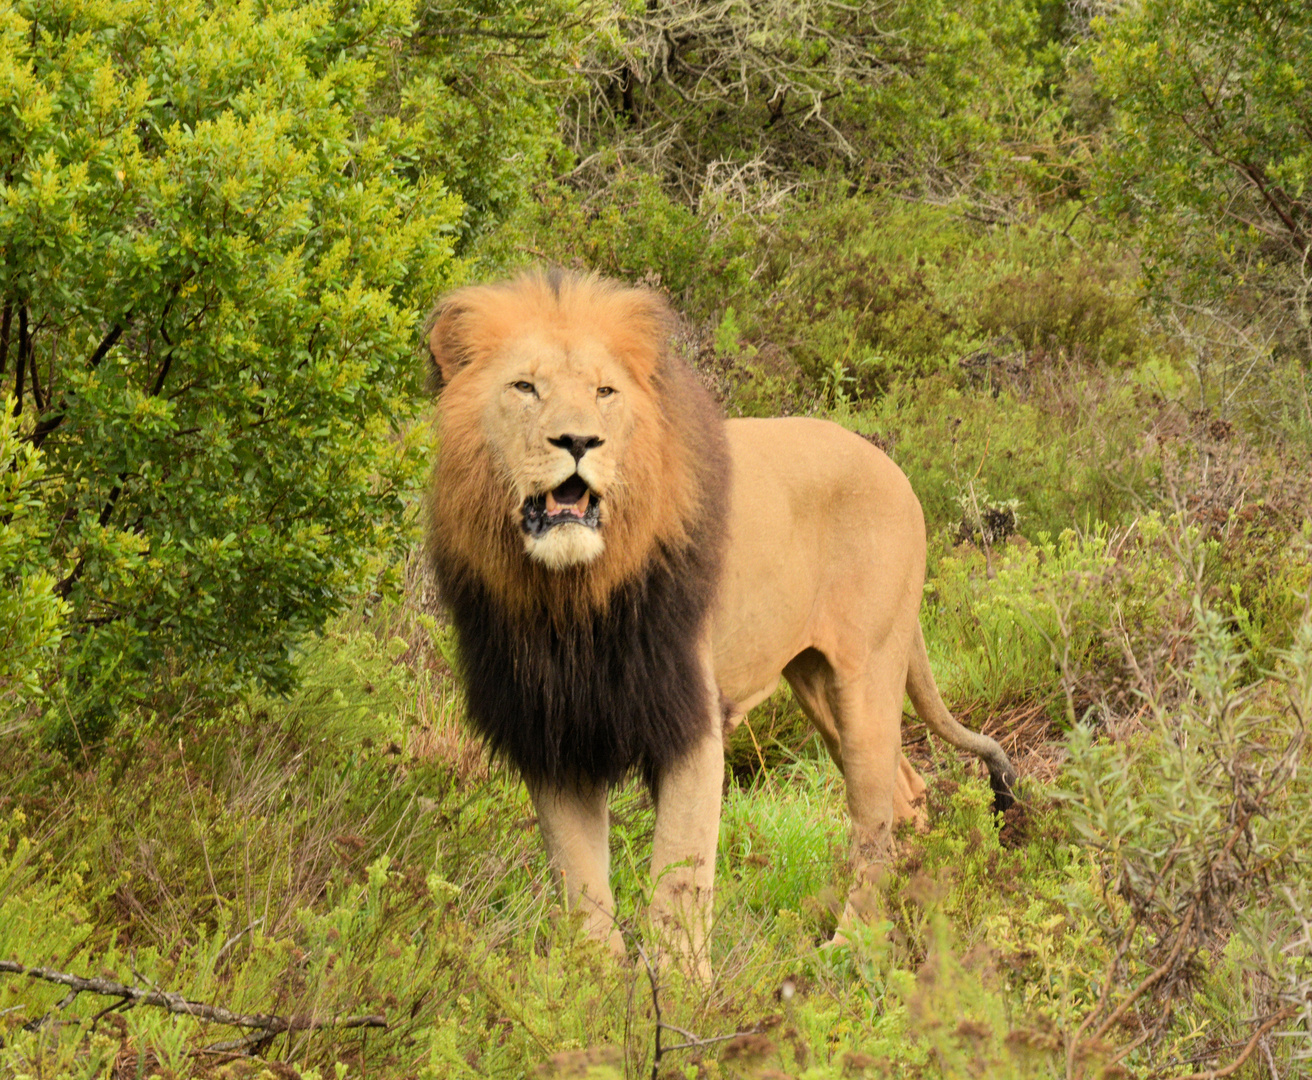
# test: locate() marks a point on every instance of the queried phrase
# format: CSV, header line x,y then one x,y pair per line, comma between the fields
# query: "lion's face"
x,y
558,423
571,449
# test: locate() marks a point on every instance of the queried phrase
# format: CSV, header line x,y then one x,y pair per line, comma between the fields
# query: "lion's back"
x,y
818,473
824,531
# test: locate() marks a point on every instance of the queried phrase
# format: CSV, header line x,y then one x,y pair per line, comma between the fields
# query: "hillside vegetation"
x,y
1054,256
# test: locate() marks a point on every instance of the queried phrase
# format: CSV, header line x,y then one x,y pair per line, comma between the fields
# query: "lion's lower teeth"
x,y
575,509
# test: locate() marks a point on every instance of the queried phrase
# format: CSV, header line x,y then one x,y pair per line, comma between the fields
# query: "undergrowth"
x,y
348,852
1106,420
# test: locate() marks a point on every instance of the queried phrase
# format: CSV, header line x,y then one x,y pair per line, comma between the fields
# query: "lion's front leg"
x,y
683,850
576,826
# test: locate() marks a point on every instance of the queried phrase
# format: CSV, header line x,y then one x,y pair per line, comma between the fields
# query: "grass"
x,y
345,852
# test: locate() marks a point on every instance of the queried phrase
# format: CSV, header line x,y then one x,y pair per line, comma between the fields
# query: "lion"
x,y
629,574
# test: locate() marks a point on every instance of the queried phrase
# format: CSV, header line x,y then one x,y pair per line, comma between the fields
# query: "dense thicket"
x,y
1212,153
713,97
213,259
1208,170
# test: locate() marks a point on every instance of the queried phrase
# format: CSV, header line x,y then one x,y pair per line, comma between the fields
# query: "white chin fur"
x,y
565,546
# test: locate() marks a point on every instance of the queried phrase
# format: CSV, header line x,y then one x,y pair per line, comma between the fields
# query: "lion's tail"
x,y
930,708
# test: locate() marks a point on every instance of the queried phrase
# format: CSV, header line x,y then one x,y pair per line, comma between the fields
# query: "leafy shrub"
x,y
1202,823
777,93
634,231
860,306
866,291
1071,452
212,267
992,638
1084,620
1207,167
1211,157
484,79
1078,306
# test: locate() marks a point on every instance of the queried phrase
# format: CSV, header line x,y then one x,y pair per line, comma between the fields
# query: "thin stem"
x,y
6,321
21,369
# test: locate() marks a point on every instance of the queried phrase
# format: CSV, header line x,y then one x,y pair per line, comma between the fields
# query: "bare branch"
x,y
653,75
1220,1074
176,1003
47,424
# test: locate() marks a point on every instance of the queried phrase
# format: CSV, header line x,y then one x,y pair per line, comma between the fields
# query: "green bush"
x,y
1006,638
1078,306
758,96
1072,454
867,291
1209,169
212,263
1212,154
1201,823
857,293
632,230
485,80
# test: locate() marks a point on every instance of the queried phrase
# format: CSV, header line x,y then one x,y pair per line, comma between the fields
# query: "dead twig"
x,y
1219,1074
692,1040
267,1024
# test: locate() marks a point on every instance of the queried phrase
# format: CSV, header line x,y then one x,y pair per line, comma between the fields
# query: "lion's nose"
x,y
578,445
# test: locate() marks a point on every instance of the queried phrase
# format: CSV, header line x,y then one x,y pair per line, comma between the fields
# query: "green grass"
x,y
343,852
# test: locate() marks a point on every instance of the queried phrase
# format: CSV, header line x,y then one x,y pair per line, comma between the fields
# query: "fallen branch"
x,y
267,1024
1218,1074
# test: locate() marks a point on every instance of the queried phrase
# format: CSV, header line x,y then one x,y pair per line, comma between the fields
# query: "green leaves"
x,y
1213,150
217,260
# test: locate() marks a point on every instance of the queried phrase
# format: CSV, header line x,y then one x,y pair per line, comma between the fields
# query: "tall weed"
x,y
1202,823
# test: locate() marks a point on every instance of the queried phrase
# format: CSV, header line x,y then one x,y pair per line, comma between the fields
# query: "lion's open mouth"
x,y
572,503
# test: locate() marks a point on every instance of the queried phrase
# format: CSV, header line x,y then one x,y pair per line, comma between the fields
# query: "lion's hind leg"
x,y
811,678
814,685
576,829
860,719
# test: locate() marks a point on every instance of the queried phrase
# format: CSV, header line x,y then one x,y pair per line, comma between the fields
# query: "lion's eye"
x,y
605,391
525,387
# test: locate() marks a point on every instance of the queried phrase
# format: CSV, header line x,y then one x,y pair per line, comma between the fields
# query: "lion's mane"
x,y
581,676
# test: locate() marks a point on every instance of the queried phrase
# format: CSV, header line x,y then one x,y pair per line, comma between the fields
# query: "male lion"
x,y
629,574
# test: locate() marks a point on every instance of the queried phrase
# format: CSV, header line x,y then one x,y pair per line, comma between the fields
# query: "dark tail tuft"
x,y
1004,789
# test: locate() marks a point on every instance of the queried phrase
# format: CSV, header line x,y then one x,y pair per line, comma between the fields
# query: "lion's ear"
x,y
447,342
642,334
